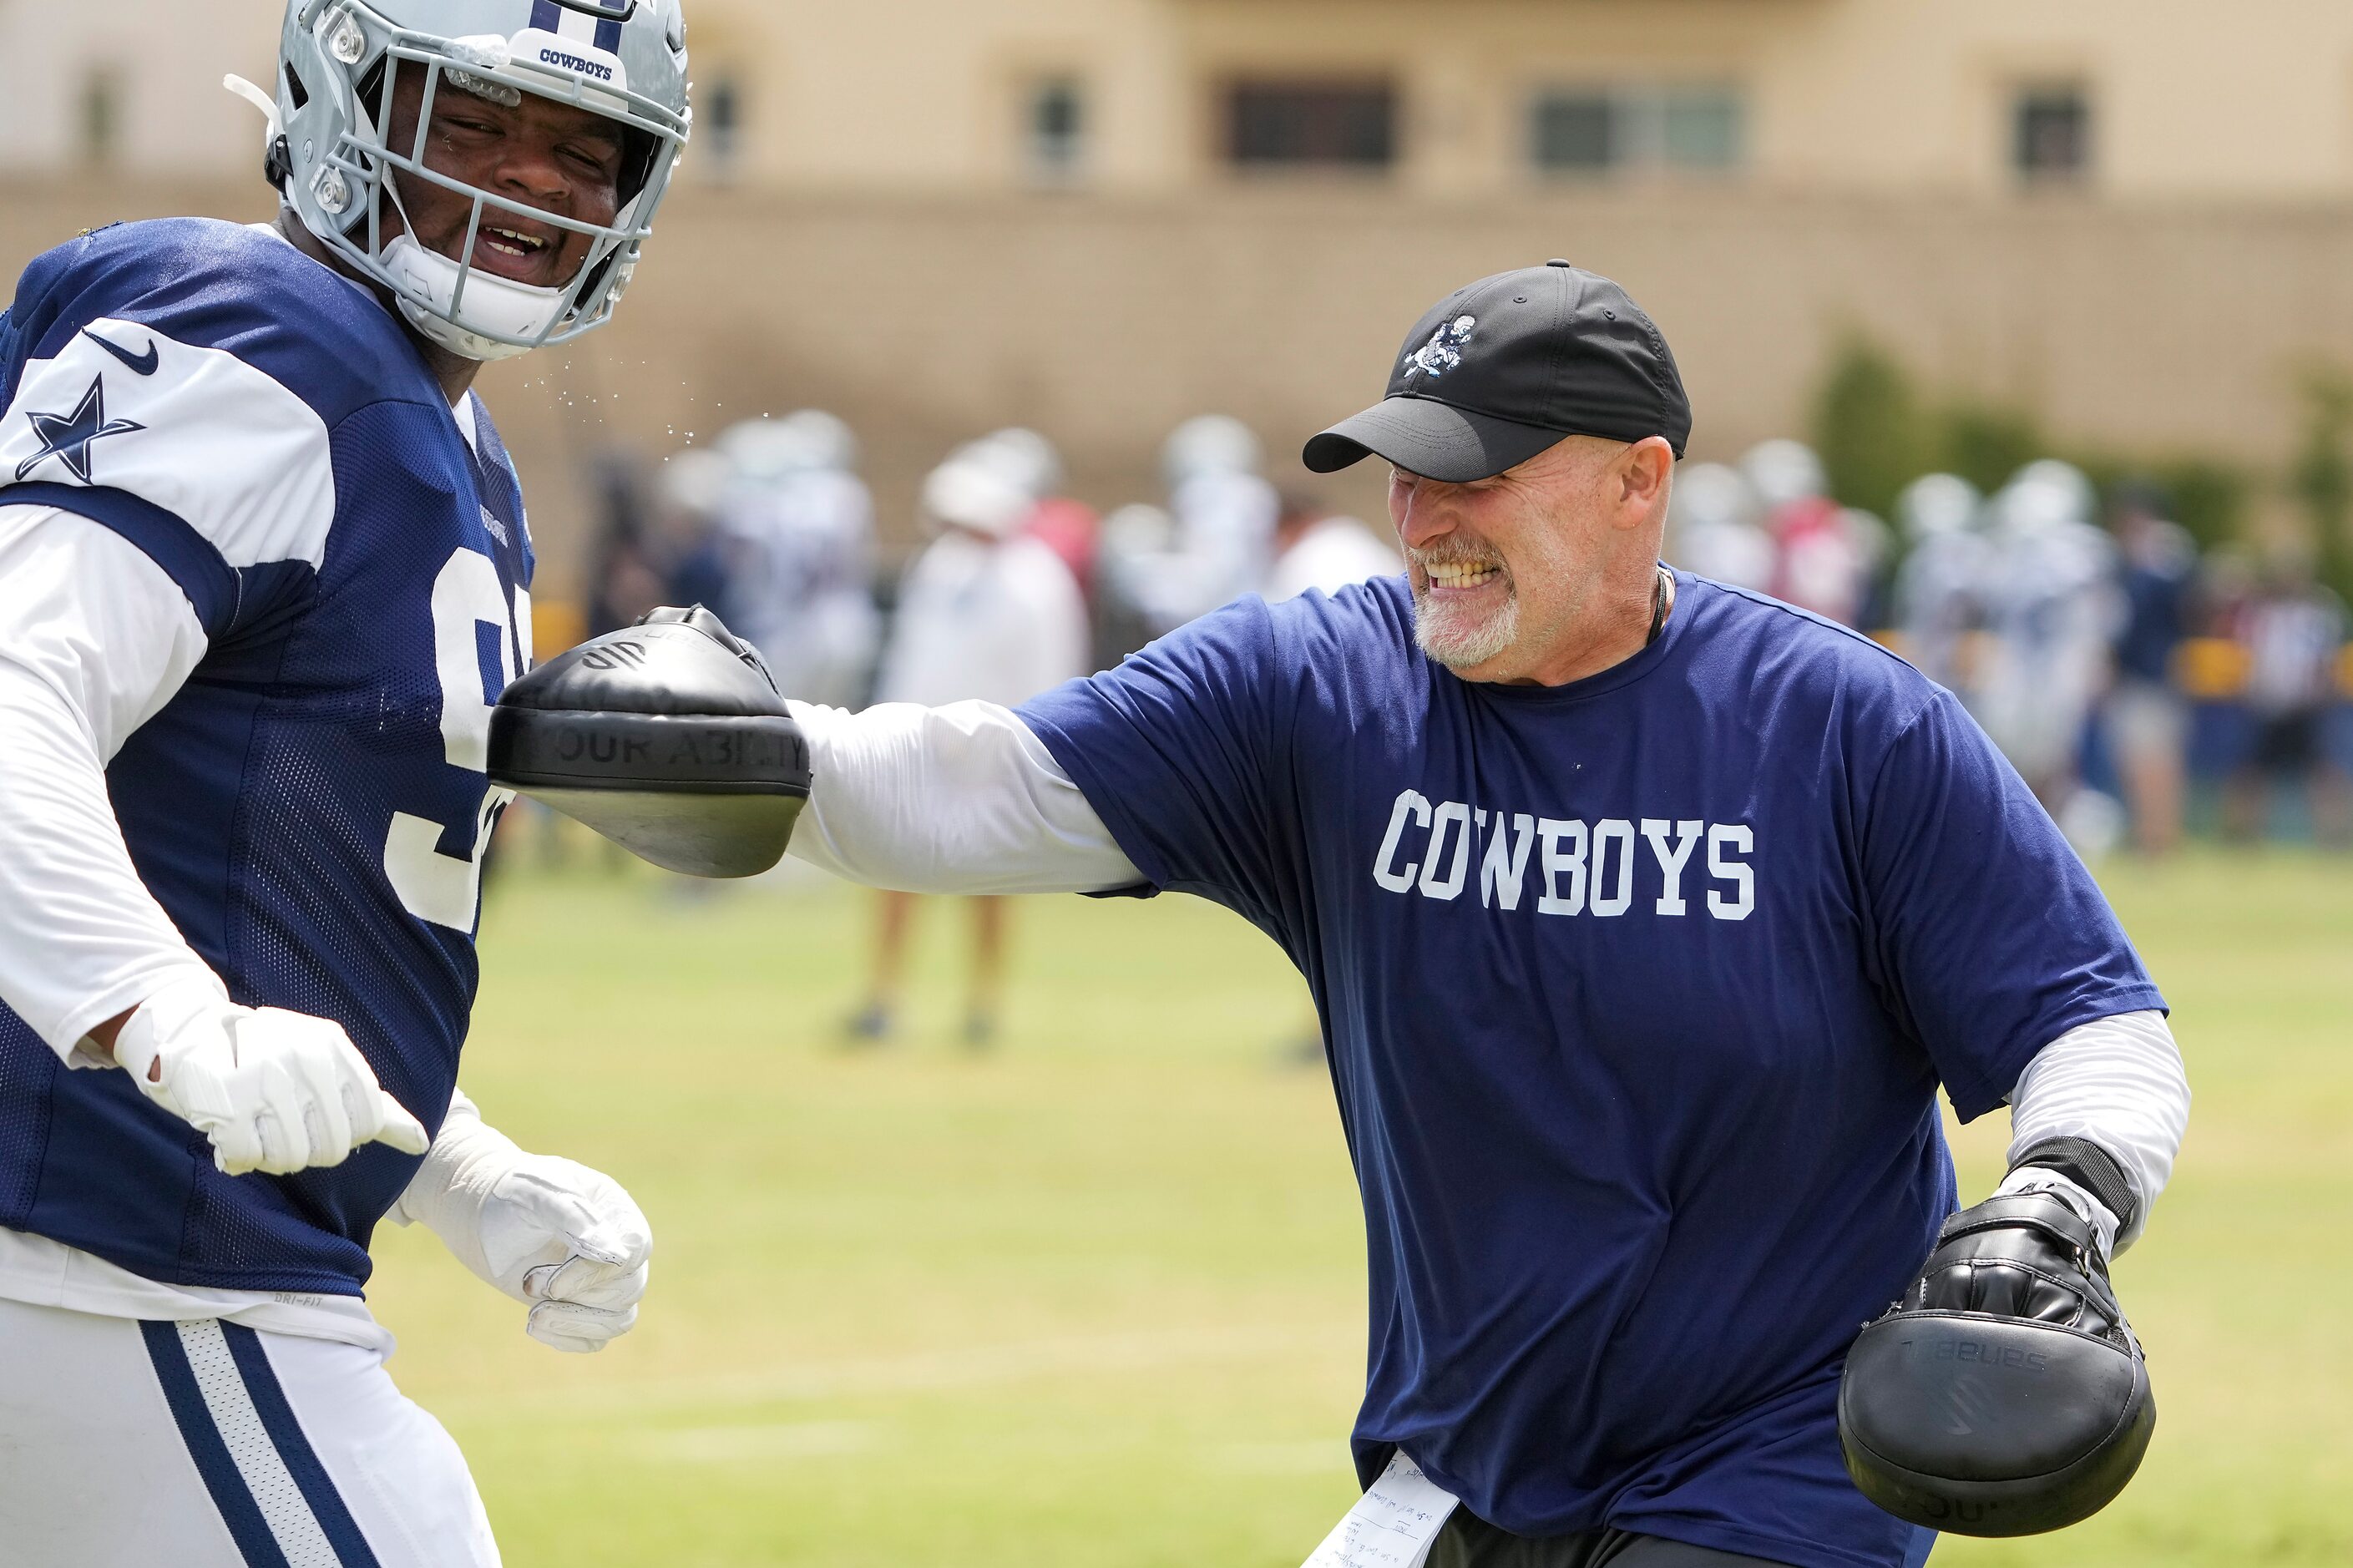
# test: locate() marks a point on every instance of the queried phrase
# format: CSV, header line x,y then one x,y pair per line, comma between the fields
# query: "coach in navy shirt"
x,y
1646,917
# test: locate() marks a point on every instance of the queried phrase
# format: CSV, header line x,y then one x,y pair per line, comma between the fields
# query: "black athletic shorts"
x,y
1471,1542
2288,742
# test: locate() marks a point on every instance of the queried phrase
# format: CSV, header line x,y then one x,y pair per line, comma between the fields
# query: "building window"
x,y
1700,127
1311,125
1609,130
1056,125
2050,136
1576,132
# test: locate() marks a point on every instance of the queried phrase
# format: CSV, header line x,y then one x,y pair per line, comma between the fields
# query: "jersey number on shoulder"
x,y
467,597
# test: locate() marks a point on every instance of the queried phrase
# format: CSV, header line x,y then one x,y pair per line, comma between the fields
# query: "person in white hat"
x,y
988,613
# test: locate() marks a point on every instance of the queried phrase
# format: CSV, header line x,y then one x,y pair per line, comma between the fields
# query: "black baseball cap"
x,y
1495,372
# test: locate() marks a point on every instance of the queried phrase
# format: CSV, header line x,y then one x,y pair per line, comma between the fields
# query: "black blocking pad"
x,y
1984,1424
669,738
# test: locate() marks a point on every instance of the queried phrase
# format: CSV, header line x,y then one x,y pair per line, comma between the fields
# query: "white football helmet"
x,y
971,493
807,441
2069,488
1208,444
1783,473
1710,495
338,62
694,483
1935,504
1023,455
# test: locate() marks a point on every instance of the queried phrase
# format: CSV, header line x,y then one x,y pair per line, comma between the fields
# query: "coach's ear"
x,y
1640,476
670,738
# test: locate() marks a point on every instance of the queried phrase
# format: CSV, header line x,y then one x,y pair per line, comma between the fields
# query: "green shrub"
x,y
1868,427
2209,497
2320,476
1876,434
1985,443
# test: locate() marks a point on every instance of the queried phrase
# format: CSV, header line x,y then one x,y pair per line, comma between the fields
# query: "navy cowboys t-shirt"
x,y
1638,993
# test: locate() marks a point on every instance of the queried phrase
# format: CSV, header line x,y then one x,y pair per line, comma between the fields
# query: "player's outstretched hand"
x,y
548,1231
275,1091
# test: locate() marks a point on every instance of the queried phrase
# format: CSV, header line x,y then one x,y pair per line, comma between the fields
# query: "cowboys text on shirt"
x,y
1570,866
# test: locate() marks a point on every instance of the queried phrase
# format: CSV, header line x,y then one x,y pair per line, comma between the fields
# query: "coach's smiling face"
x,y
1544,573
537,156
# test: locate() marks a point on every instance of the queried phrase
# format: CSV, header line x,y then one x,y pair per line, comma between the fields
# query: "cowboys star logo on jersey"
x,y
67,437
1444,352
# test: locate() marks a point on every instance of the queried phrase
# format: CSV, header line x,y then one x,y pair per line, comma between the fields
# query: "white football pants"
x,y
205,1445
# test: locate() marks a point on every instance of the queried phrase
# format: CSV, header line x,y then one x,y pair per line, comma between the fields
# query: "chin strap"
x,y
276,162
259,99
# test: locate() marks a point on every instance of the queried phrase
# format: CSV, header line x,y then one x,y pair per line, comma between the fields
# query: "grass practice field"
x,y
1095,1299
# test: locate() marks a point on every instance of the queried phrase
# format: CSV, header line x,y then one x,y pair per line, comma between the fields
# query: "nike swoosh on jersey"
x,y
144,365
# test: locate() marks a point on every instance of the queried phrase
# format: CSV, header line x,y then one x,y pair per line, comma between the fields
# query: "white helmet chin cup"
x,y
498,319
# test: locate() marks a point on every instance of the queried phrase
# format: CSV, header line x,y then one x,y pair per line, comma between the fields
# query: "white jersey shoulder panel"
x,y
195,431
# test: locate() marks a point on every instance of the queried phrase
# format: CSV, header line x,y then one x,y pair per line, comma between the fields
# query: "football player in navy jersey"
x,y
267,568
1646,917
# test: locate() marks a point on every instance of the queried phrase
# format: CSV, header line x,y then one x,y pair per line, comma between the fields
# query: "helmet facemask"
x,y
348,186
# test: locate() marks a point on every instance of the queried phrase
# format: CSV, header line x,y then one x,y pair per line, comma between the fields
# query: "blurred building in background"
x,y
2133,99
2126,224
1096,218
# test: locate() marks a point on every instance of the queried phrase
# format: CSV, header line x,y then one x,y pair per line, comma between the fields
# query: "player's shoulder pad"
x,y
190,370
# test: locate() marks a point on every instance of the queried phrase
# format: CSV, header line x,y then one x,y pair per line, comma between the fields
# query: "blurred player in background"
x,y
1824,559
688,554
1214,542
1712,528
266,569
1319,549
1063,525
2294,632
799,527
987,612
2052,611
2146,716
1939,601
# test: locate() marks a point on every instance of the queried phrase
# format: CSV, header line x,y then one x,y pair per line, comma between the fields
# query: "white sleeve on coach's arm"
x,y
959,799
94,639
2117,1082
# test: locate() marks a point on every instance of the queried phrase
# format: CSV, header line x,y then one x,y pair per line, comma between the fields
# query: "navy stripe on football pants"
x,y
280,1506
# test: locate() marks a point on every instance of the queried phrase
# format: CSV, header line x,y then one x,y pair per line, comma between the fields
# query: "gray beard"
x,y
1440,634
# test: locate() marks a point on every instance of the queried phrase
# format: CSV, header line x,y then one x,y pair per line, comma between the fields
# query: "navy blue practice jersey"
x,y
1638,993
310,808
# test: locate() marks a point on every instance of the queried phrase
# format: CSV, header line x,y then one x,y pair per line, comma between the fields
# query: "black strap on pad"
x,y
2090,1167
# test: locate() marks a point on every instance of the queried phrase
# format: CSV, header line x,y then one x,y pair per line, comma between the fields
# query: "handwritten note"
x,y
1392,1525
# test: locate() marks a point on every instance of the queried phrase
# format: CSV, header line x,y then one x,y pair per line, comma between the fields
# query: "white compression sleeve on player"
x,y
957,799
94,639
467,1158
2117,1082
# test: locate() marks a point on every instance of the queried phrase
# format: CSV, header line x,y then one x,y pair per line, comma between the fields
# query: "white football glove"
x,y
547,1231
274,1090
